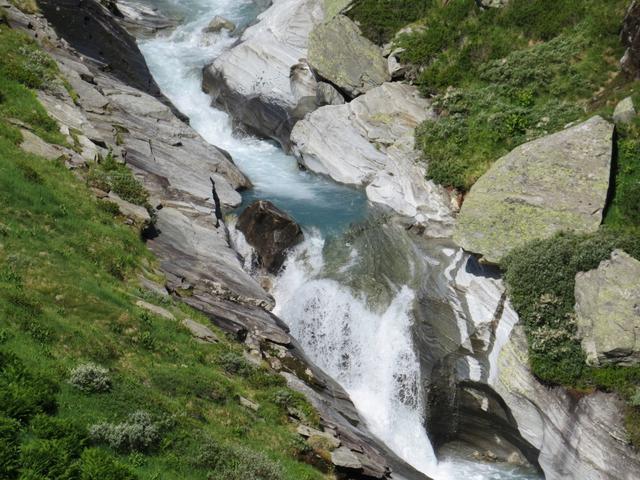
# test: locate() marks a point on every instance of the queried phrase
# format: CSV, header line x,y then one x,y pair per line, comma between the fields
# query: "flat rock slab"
x,y
155,309
199,331
608,311
340,54
552,184
345,458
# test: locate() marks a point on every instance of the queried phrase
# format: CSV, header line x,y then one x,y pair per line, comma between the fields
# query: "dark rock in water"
x,y
271,232
630,36
93,30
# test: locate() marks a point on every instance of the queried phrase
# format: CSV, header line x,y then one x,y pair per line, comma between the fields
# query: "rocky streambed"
x,y
419,354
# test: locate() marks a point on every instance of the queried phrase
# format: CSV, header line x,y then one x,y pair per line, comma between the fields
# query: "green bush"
x,y
47,459
97,464
90,378
138,434
381,28
73,436
236,364
23,393
9,447
231,462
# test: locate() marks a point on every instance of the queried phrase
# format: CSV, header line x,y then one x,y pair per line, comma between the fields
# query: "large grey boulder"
x,y
608,311
270,231
556,183
370,142
340,54
256,82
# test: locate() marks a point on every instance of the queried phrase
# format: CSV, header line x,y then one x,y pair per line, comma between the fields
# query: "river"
x,y
365,345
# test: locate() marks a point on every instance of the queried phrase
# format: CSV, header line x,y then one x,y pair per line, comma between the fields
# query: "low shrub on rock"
x,y
90,378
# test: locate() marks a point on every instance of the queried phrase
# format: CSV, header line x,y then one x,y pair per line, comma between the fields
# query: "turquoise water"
x,y
176,62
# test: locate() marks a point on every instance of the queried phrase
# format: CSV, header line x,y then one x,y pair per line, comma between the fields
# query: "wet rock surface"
x,y
271,232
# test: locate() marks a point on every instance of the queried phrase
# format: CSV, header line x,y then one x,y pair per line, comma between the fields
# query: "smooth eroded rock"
x,y
608,311
556,183
370,142
340,54
253,80
271,232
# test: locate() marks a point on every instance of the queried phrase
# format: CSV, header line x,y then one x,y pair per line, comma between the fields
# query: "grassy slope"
x,y
502,77
66,299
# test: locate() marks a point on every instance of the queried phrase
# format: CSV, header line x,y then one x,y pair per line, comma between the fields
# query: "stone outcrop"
x,y
257,80
608,311
372,145
630,36
625,112
556,183
271,232
578,437
88,26
480,389
342,56
218,23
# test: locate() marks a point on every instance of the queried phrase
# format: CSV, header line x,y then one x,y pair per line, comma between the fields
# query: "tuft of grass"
x,y
107,174
27,6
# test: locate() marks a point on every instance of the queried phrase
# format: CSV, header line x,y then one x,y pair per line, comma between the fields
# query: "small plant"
x,y
138,434
109,175
90,378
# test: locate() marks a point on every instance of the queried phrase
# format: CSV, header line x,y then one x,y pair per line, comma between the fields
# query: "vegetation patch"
x,y
541,282
91,387
109,175
502,77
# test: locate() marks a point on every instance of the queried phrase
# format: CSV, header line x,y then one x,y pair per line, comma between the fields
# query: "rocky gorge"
x,y
458,374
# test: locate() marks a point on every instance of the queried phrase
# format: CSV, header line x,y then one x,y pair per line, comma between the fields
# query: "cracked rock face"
x,y
608,311
555,183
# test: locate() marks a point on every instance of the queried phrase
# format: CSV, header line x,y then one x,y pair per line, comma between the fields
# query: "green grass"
x,y
107,174
67,298
501,77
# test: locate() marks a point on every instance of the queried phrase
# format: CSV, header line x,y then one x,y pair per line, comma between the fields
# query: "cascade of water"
x,y
369,353
367,349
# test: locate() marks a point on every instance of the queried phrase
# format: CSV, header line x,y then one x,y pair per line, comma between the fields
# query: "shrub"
x,y
231,462
97,464
235,364
23,393
47,459
90,378
9,447
52,428
138,433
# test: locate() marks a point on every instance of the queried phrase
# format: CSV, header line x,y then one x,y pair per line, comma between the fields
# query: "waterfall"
x,y
363,342
369,353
